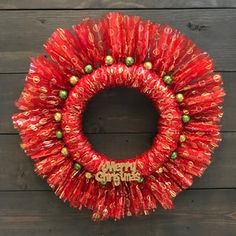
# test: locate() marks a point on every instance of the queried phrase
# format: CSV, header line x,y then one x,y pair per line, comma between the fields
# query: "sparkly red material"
x,y
180,82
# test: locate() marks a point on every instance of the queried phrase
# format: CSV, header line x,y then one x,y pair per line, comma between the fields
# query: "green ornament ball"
x,y
185,118
77,166
88,69
167,79
141,180
63,94
59,134
174,155
129,61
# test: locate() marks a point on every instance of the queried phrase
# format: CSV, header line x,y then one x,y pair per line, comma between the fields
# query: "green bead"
x,y
59,134
185,118
141,179
88,69
63,94
77,166
174,155
129,61
167,79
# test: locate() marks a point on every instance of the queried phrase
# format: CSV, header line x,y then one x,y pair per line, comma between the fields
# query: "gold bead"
x,y
147,65
179,97
88,175
73,80
109,60
64,151
182,138
57,116
160,170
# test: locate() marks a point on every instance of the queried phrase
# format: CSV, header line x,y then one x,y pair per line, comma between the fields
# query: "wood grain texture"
x,y
41,213
120,122
24,32
116,110
73,4
16,170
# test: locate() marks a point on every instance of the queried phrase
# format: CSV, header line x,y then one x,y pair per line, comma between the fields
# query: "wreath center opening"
x,y
120,122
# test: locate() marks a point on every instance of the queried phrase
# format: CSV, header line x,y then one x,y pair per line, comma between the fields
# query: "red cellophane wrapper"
x,y
120,36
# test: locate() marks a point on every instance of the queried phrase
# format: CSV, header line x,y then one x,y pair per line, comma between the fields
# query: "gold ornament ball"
x,y
182,138
88,175
109,60
160,170
73,80
64,151
57,116
147,65
179,97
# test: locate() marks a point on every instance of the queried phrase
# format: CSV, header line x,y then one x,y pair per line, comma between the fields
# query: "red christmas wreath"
x,y
120,51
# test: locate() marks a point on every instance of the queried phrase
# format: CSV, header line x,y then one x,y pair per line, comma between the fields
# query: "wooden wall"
x,y
118,122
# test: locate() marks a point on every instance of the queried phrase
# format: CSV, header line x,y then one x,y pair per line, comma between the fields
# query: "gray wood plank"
x,y
117,110
16,170
198,212
72,4
23,32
